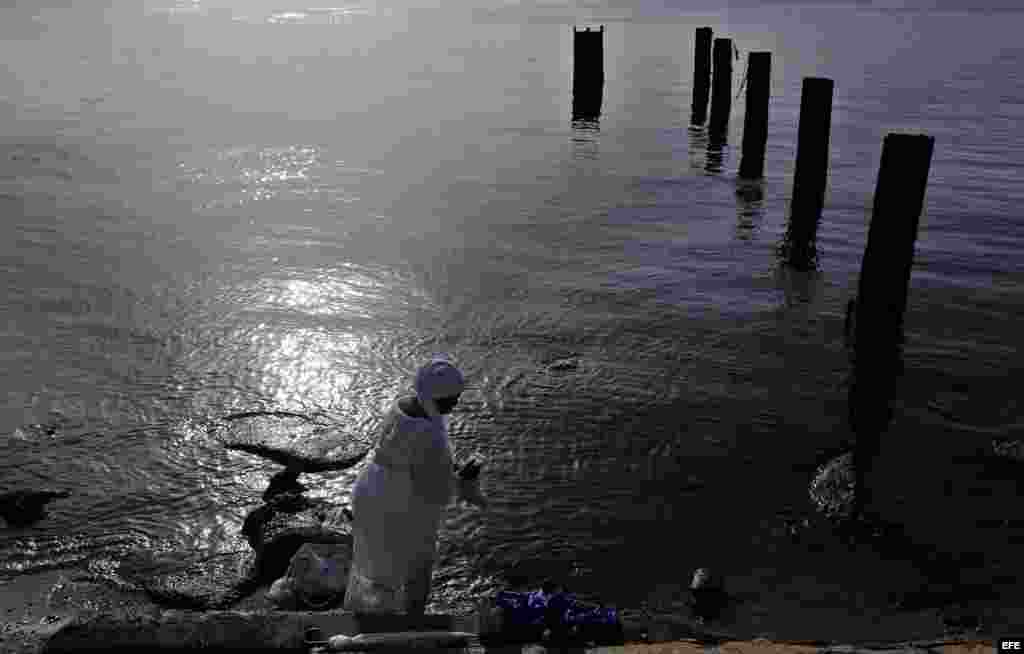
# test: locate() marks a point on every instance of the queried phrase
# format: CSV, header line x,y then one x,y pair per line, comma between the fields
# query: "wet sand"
x,y
34,607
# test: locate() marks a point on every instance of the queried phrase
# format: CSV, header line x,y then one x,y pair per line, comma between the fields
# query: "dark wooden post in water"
x,y
587,73
701,76
811,171
755,123
721,92
882,297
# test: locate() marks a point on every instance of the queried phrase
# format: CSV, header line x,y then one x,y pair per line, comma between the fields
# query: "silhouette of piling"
x,y
755,123
882,297
721,92
701,76
587,73
811,171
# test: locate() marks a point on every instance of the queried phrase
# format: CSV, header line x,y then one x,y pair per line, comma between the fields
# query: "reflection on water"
x,y
749,208
799,247
347,294
319,16
717,149
698,145
299,367
238,177
799,287
304,276
254,14
585,139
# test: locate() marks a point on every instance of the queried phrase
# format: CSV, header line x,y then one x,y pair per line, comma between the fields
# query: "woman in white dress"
x,y
398,498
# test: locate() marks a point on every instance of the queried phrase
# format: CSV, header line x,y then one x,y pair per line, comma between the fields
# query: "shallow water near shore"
x,y
212,208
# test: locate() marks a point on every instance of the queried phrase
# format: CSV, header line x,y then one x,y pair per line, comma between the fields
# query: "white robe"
x,y
397,504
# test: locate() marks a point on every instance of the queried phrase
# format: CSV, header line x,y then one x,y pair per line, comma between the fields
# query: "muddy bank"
x,y
286,631
35,607
54,612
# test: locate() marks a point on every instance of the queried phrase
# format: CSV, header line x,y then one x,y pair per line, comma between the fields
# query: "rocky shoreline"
x,y
144,628
187,602
58,611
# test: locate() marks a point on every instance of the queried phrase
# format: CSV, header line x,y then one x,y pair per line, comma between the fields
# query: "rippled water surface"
x,y
213,207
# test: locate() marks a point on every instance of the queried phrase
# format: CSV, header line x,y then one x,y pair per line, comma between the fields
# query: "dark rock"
x,y
293,440
832,489
306,586
708,605
470,469
283,483
707,595
254,525
25,507
276,531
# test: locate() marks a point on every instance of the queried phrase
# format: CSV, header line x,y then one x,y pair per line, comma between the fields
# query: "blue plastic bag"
x,y
530,613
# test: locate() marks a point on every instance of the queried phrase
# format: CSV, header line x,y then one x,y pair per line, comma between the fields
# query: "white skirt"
x,y
394,543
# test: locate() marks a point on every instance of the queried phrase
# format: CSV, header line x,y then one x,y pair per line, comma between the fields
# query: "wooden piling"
x,y
587,73
811,172
701,76
721,93
882,296
755,123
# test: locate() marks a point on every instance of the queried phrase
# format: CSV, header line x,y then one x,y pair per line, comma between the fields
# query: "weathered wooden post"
x,y
755,123
721,92
701,76
882,298
587,73
811,171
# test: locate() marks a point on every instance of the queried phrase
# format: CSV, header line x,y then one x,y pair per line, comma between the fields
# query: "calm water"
x,y
224,206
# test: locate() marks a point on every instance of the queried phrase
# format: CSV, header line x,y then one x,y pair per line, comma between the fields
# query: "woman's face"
x,y
446,404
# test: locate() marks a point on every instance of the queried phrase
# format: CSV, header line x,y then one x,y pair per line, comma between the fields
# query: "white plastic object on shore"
x,y
412,639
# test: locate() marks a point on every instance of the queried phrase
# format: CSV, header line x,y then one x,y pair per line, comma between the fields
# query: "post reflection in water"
x,y
698,146
585,144
749,208
800,287
717,147
798,248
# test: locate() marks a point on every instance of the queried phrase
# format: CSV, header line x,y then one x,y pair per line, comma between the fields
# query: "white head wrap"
x,y
439,378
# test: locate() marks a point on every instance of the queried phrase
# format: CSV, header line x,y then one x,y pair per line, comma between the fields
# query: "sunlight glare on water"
x,y
221,206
